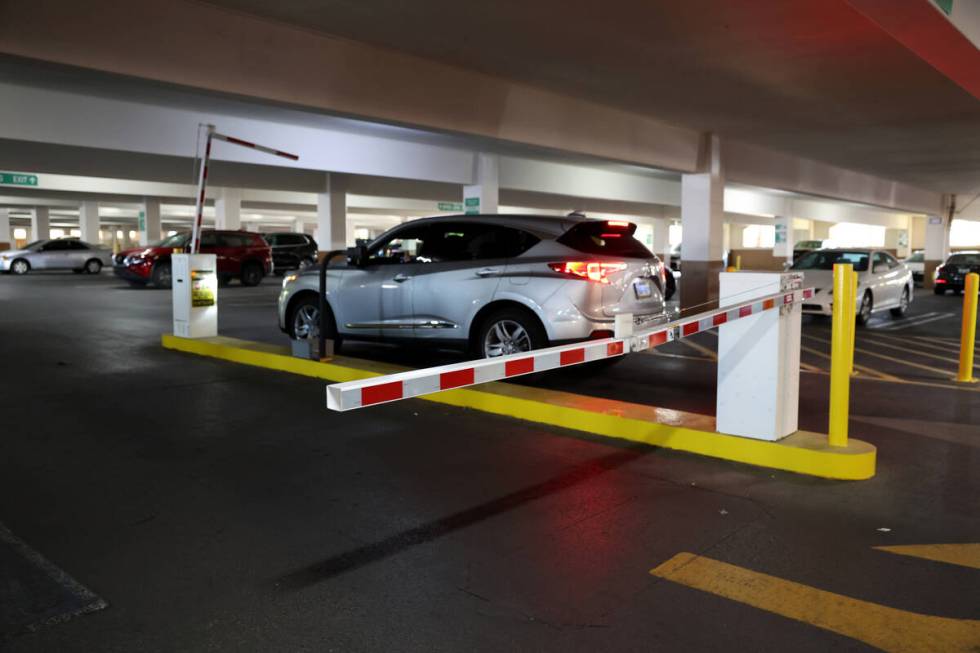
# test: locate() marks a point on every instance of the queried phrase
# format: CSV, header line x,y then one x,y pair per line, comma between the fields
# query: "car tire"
x,y
93,266
867,306
20,266
162,275
252,274
903,306
939,291
509,330
303,318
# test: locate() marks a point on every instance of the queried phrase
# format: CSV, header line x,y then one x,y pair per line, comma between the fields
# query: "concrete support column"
x,y
228,209
661,239
785,238
702,217
331,214
149,221
40,223
937,246
88,221
483,196
6,237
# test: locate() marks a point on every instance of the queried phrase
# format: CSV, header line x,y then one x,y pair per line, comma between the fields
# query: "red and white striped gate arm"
x,y
404,385
202,180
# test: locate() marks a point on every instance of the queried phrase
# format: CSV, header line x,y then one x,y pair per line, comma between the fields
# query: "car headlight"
x,y
289,278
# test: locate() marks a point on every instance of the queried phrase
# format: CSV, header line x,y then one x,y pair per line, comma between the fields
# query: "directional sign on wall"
x,y
17,179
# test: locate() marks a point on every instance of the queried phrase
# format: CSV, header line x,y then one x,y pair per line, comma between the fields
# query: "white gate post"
x,y
759,359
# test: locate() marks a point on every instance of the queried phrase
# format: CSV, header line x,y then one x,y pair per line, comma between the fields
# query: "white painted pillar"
x,y
6,237
88,221
149,221
937,246
40,223
331,214
483,196
661,239
702,217
785,238
228,209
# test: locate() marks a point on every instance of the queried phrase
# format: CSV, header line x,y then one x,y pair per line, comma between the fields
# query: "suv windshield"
x,y
825,260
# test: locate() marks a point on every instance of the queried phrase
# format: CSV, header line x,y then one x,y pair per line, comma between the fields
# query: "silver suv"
x,y
494,284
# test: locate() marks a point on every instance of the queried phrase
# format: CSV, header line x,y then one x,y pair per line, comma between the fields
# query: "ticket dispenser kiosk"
x,y
195,295
759,359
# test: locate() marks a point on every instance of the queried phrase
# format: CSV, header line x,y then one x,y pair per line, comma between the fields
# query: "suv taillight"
x,y
597,271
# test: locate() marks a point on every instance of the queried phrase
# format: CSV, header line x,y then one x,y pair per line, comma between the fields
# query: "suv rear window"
x,y
964,259
612,238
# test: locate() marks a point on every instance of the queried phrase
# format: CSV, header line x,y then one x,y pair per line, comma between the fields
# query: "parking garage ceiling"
x,y
814,78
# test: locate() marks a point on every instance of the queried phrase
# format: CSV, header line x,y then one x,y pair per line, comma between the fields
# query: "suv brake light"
x,y
597,271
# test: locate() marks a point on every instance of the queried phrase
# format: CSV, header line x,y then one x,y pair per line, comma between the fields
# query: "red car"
x,y
240,254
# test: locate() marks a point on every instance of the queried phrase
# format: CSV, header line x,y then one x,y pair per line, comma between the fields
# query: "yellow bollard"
x,y
968,335
852,323
738,262
840,361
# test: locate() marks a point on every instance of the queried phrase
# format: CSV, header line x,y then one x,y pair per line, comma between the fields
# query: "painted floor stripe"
x,y
861,368
944,347
889,629
935,370
883,323
901,326
965,555
699,348
908,350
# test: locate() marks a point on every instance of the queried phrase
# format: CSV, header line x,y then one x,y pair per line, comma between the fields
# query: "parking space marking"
x,y
943,347
883,323
935,370
889,629
699,348
901,326
965,555
915,352
881,376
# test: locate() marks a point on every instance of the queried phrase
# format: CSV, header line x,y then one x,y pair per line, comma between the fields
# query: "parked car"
x,y
57,254
805,246
917,264
291,251
494,284
884,283
951,275
240,254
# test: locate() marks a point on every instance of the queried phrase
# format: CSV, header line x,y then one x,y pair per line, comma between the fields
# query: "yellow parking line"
x,y
907,349
965,555
889,629
867,370
699,348
935,370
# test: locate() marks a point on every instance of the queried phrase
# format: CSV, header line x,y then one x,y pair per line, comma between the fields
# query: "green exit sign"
x,y
17,179
450,206
946,6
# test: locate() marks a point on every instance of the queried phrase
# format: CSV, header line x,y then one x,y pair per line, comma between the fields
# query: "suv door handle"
x,y
401,277
487,272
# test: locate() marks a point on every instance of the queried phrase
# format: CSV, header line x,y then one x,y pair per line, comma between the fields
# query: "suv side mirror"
x,y
357,256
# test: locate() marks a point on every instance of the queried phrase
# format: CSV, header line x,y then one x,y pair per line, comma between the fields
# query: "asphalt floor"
x,y
218,507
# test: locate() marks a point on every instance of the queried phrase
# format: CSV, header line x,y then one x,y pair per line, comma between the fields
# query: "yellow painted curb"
x,y
803,452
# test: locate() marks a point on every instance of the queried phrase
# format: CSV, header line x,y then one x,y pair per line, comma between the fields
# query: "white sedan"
x,y
884,283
